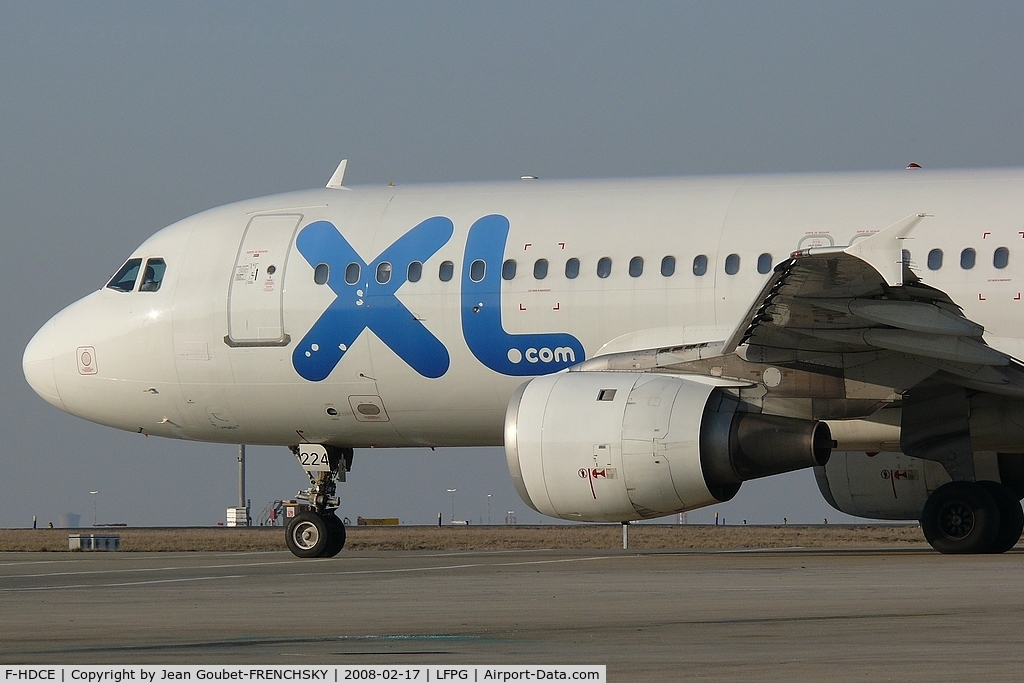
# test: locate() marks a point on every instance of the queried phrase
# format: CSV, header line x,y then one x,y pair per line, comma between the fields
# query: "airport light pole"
x,y
94,494
241,475
452,491
488,509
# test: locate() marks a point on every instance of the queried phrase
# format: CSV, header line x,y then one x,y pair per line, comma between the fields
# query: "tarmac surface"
x,y
794,615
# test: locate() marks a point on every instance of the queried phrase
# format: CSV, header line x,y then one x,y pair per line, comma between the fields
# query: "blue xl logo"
x,y
367,303
481,313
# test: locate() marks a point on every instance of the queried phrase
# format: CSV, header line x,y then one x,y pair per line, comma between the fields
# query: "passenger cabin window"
x,y
604,267
321,274
153,275
764,264
445,271
383,273
934,259
636,266
967,258
1001,257
572,268
700,265
124,279
508,269
732,264
352,273
477,269
415,272
540,268
668,266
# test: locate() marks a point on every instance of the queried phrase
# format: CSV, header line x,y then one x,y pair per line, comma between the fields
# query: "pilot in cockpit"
x,y
149,281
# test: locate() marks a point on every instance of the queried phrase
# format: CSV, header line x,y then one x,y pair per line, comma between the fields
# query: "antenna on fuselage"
x,y
339,176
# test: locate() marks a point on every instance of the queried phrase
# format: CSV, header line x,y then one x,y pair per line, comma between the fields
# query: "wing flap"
x,y
827,306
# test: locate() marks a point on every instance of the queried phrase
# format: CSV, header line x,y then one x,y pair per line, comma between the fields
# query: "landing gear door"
x,y
313,458
255,295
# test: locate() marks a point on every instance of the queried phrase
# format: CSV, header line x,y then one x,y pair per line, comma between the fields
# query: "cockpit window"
x,y
124,280
153,275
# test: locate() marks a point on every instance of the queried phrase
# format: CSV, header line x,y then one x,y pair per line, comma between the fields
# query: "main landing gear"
x,y
972,517
318,532
965,515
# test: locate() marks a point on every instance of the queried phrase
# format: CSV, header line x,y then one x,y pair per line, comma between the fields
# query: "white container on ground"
x,y
238,516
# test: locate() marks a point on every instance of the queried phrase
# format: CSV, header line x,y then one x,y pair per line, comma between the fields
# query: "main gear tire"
x,y
960,517
1011,516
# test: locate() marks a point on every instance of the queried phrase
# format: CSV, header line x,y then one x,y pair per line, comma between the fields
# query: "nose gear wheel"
x,y
311,534
307,535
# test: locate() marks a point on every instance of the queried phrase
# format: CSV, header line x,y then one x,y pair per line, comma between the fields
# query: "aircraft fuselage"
x,y
383,317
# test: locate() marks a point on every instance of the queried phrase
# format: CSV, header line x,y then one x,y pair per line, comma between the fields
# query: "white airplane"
x,y
640,347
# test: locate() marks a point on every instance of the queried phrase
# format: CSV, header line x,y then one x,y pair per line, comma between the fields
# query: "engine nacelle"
x,y
615,446
896,486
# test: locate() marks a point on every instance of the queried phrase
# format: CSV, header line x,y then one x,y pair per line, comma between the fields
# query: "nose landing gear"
x,y
318,532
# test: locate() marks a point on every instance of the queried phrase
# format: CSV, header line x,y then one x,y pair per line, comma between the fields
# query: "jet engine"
x,y
616,446
896,486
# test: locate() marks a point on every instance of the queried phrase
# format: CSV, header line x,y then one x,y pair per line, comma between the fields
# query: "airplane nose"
x,y
37,364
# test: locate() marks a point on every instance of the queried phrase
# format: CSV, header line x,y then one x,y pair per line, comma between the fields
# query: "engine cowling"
x,y
896,486
615,446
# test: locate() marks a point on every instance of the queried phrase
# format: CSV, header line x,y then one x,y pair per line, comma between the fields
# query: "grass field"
x,y
595,536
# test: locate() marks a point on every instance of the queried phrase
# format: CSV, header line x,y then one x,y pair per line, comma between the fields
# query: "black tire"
x,y
1011,516
307,535
335,535
960,517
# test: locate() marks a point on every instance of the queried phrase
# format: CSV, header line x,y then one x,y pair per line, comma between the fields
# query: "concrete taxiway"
x,y
908,615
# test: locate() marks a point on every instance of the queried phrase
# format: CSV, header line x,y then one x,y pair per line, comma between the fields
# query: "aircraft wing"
x,y
841,306
857,316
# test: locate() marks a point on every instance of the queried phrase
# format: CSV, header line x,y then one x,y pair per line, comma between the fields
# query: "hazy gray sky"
x,y
118,119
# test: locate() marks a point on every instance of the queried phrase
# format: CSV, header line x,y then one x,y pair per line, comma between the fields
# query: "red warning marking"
x,y
1017,298
892,475
561,245
559,304
985,235
980,297
592,474
527,246
522,307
